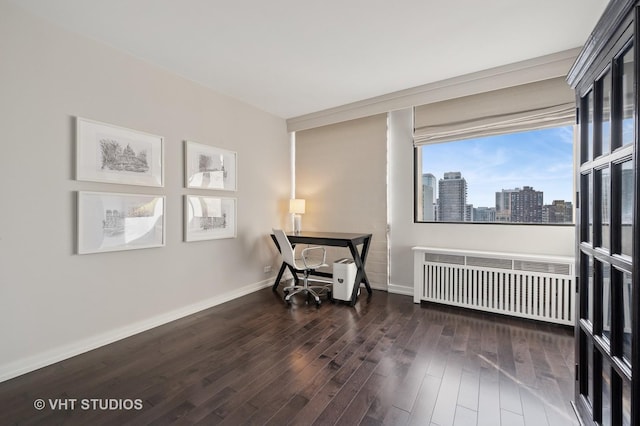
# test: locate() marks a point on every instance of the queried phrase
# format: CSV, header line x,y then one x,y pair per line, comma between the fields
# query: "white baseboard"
x,y
34,362
400,289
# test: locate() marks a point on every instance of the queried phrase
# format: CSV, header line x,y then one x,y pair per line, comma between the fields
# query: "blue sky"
x,y
542,159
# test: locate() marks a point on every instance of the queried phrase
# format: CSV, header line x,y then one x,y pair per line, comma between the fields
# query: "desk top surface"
x,y
327,236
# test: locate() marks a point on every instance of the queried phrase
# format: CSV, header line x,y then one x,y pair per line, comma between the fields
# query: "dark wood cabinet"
x,y
605,77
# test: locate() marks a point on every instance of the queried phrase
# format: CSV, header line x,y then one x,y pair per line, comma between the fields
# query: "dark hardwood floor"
x,y
256,361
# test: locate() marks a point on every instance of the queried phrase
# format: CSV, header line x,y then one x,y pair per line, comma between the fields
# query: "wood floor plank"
x,y
525,370
359,405
465,416
256,361
420,361
446,403
392,372
469,390
508,418
396,417
331,362
196,388
292,380
533,410
489,397
509,394
346,397
425,402
345,373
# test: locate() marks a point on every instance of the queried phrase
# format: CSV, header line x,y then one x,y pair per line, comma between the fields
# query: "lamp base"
x,y
297,223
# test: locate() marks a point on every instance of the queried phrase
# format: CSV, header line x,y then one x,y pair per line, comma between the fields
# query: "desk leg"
x,y
360,260
283,267
279,277
281,272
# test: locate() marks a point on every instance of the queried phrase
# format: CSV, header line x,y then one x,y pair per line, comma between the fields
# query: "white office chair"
x,y
307,266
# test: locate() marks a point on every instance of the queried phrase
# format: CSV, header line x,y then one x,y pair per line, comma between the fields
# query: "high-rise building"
x,y
519,205
484,214
468,213
559,211
452,197
526,205
503,205
428,197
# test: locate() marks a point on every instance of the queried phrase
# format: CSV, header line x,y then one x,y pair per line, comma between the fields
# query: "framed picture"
x,y
109,221
209,218
107,153
208,167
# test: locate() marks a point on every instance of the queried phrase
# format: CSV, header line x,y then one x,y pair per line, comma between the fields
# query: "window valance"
x,y
529,106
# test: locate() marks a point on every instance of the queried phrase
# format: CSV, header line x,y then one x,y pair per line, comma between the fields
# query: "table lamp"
x,y
296,207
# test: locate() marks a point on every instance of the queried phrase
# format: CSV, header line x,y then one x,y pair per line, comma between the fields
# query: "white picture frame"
x,y
109,221
208,167
113,154
209,217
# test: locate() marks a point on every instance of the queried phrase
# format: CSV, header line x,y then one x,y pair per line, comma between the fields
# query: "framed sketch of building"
x,y
208,167
209,218
110,221
108,153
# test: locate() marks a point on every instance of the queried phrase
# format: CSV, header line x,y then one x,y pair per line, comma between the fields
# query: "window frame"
x,y
418,173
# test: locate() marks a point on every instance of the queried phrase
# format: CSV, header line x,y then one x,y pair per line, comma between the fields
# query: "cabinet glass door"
x,y
607,187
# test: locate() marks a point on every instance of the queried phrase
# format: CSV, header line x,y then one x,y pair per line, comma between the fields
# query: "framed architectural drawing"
x,y
208,167
107,153
110,221
209,218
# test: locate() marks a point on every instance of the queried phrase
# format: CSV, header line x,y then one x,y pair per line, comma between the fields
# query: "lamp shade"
x,y
296,206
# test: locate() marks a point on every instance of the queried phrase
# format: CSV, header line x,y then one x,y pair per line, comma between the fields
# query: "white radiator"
x,y
528,286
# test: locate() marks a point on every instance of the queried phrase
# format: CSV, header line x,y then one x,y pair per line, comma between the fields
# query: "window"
x,y
522,177
501,156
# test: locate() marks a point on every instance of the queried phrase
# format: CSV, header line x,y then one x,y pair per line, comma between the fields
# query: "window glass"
x,y
587,201
606,393
524,177
605,145
626,208
590,368
626,403
627,312
587,267
604,178
605,279
587,142
627,98
590,209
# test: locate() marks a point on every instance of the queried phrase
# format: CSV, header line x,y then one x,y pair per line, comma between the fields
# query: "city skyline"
x,y
542,159
517,205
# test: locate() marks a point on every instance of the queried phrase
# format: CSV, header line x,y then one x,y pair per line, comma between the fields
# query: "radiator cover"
x,y
528,286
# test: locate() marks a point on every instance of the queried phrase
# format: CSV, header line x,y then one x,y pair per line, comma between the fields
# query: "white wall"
x,y
54,303
404,233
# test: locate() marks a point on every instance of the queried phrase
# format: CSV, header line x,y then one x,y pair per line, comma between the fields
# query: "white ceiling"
x,y
294,57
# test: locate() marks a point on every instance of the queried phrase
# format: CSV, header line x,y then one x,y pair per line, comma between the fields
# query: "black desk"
x,y
334,239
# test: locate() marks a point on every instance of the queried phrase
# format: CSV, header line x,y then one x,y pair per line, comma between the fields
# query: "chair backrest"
x,y
285,247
